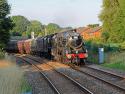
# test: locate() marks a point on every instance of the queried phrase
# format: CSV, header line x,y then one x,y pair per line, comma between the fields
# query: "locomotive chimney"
x,y
32,35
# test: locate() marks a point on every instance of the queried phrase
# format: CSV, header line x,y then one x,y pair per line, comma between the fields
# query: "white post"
x,y
101,55
45,32
32,35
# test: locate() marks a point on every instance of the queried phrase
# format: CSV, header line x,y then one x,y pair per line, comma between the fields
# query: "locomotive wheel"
x,y
82,61
62,58
76,61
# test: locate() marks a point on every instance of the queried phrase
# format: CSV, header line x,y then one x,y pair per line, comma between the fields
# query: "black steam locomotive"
x,y
69,47
66,47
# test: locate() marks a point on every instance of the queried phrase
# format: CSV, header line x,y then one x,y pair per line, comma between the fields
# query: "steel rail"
x,y
84,89
77,69
46,78
106,72
96,77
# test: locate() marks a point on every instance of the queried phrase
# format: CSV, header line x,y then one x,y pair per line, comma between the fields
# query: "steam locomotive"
x,y
66,47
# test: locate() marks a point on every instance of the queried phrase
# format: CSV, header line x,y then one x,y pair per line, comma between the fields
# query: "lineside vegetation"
x,y
115,60
12,79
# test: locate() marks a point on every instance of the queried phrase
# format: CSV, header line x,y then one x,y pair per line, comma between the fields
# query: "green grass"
x,y
115,60
118,66
12,80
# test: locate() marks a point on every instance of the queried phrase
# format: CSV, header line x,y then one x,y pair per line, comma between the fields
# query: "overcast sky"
x,y
63,12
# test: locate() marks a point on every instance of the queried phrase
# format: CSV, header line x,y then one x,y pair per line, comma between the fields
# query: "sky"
x,y
75,13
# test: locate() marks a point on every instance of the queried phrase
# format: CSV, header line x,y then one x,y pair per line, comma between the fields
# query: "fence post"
x,y
101,55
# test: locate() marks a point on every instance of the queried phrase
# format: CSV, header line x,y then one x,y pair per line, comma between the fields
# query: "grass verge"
x,y
118,66
115,61
12,79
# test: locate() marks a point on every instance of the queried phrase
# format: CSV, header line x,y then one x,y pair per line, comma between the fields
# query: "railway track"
x,y
73,85
118,87
45,77
112,81
104,76
107,77
105,72
36,80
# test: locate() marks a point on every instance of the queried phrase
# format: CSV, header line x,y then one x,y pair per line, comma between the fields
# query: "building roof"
x,y
88,29
95,29
82,29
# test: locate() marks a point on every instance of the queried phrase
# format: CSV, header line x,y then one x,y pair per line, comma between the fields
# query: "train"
x,y
66,47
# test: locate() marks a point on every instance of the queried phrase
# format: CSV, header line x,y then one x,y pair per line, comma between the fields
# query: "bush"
x,y
93,47
122,46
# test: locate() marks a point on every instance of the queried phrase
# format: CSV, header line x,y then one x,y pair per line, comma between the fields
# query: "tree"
x,y
113,18
93,25
42,33
36,27
5,22
52,28
20,24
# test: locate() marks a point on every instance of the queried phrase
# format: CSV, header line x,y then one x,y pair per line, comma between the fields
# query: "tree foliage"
x,y
52,28
24,27
113,18
5,22
93,25
20,25
36,27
